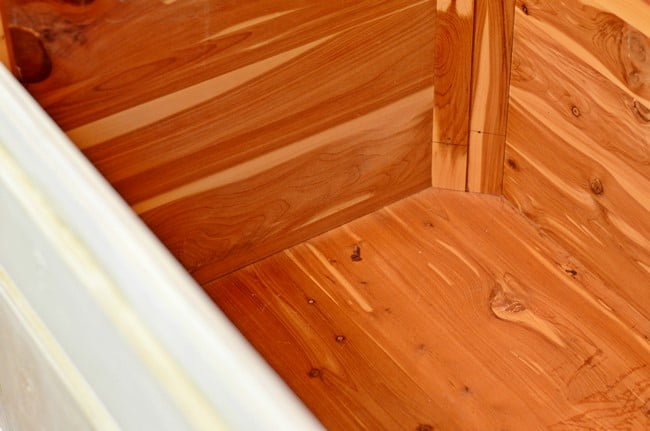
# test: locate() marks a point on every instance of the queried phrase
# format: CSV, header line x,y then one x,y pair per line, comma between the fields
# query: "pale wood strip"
x,y
150,112
485,171
415,104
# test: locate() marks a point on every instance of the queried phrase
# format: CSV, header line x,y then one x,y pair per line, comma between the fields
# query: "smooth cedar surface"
x,y
578,145
445,311
238,128
494,20
453,75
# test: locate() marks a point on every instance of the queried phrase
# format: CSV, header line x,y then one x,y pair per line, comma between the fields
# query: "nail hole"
x,y
575,111
356,253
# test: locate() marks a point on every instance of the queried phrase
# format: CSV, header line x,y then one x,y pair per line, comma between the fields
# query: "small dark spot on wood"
x,y
524,8
512,164
596,186
340,338
332,261
32,62
388,310
467,389
428,224
356,253
573,272
364,282
48,35
314,373
422,348
424,427
311,301
576,111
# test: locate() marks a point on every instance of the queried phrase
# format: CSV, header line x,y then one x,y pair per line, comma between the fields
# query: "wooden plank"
x,y
453,76
151,346
449,167
578,146
241,129
494,20
429,313
453,71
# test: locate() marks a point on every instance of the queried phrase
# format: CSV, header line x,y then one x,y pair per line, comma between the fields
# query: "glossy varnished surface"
x,y
578,145
236,129
444,311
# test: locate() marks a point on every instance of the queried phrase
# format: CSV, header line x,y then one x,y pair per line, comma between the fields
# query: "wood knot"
x,y
512,164
314,373
576,111
425,427
356,253
524,8
311,301
504,305
32,62
340,338
596,186
641,112
634,80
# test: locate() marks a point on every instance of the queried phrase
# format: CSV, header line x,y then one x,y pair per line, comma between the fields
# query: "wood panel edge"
x,y
491,70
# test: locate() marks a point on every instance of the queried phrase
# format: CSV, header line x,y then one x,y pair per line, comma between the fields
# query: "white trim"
x,y
52,363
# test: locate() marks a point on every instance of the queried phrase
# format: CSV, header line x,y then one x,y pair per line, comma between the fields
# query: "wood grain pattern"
x,y
449,166
236,129
494,20
4,41
578,146
453,72
485,163
445,311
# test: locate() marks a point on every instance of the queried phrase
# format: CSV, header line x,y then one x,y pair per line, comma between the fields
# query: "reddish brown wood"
x,y
236,129
459,315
